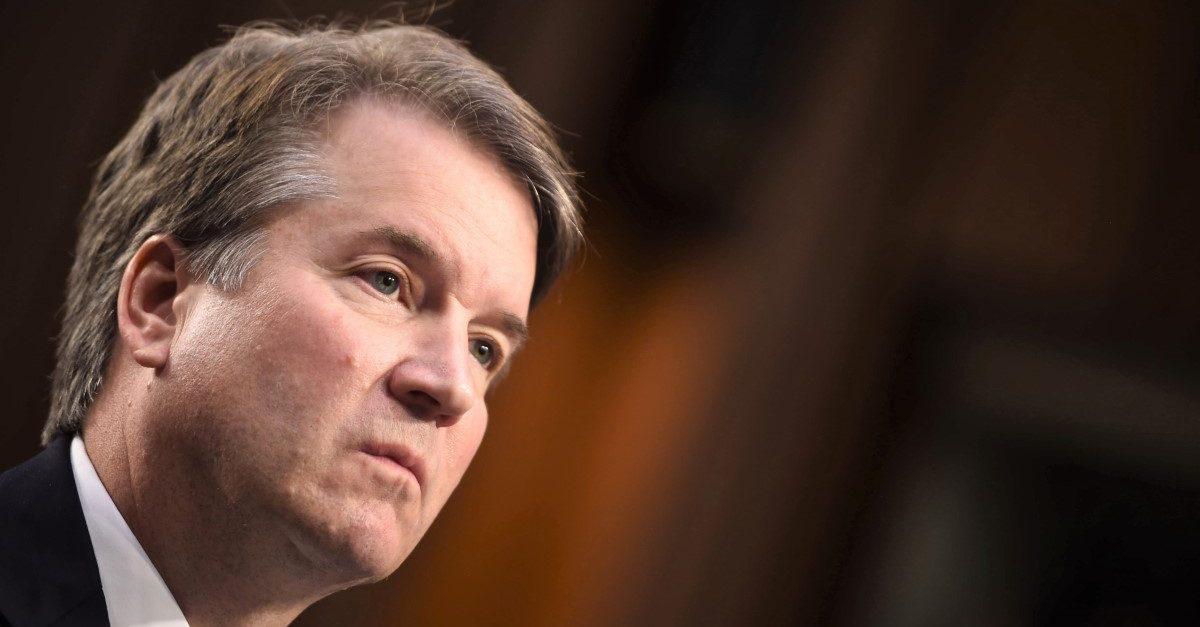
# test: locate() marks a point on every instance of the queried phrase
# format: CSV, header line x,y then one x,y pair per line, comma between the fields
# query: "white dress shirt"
x,y
133,590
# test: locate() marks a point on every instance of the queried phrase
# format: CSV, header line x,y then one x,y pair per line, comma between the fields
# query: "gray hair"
x,y
234,133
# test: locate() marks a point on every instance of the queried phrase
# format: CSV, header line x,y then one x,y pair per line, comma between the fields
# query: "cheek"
x,y
309,349
462,443
293,361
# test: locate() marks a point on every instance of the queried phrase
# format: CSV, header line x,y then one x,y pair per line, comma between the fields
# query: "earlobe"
x,y
152,283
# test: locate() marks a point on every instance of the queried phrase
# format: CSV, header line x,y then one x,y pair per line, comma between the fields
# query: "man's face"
x,y
336,398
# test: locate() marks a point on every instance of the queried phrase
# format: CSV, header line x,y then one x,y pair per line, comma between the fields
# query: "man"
x,y
296,278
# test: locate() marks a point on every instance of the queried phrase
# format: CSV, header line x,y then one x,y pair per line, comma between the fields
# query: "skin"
x,y
243,435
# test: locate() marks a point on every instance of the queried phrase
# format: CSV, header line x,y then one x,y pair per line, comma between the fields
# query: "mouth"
x,y
399,457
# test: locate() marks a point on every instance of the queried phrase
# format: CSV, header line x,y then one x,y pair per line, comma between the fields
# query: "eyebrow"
x,y
515,328
413,245
512,324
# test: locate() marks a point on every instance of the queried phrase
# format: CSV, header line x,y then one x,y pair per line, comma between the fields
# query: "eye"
x,y
384,282
485,352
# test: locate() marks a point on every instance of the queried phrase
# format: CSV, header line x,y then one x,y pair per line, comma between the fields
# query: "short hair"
x,y
235,133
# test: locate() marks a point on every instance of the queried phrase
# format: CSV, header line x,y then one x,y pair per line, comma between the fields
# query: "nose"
x,y
434,380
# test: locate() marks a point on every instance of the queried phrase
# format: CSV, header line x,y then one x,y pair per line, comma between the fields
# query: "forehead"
x,y
376,142
396,168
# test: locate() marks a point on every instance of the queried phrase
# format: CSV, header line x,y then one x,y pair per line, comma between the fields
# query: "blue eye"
x,y
484,352
385,282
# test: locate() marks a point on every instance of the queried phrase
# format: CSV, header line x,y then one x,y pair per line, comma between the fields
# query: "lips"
x,y
399,455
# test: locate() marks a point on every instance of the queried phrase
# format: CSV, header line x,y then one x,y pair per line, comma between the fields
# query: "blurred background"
x,y
889,316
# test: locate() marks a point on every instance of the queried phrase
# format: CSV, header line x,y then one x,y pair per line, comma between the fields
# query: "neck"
x,y
220,566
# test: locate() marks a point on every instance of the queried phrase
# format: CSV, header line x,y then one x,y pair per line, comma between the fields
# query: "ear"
x,y
147,302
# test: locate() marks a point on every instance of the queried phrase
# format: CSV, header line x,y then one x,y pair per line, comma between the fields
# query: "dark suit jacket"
x,y
48,573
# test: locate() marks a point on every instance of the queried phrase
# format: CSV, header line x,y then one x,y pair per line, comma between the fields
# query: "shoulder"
x,y
47,565
41,488
42,470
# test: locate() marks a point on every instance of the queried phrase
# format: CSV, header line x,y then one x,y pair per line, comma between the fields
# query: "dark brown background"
x,y
890,316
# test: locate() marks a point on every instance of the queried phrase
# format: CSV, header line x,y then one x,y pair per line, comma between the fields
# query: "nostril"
x,y
422,404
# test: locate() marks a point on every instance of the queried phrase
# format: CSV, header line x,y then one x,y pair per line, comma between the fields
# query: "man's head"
x,y
235,134
304,265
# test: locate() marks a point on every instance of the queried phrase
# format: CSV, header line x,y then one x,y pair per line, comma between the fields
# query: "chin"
x,y
360,567
364,546
373,560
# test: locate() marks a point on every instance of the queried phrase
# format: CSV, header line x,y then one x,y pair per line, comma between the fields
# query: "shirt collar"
x,y
133,590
